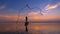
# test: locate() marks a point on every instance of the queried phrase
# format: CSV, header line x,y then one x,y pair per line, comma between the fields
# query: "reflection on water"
x,y
34,28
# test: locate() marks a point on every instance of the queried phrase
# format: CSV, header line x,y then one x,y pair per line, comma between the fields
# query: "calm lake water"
x,y
33,28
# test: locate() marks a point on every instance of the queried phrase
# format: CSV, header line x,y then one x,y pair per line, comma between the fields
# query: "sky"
x,y
50,10
9,10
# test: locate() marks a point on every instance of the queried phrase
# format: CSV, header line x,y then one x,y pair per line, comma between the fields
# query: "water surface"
x,y
33,28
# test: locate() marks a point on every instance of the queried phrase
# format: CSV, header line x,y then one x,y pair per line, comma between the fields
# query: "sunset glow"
x,y
42,15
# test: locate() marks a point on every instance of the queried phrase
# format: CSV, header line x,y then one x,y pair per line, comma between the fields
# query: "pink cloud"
x,y
11,17
33,13
50,7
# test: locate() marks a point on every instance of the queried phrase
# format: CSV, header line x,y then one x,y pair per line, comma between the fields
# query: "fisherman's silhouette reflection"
x,y
26,24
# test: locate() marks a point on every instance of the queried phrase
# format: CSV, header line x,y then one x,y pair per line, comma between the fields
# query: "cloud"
x,y
33,13
11,17
50,7
32,16
35,16
2,7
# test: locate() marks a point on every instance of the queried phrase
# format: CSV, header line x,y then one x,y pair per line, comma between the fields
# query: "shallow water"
x,y
33,28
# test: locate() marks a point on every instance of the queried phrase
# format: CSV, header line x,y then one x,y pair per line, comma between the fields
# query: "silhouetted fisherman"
x,y
26,24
